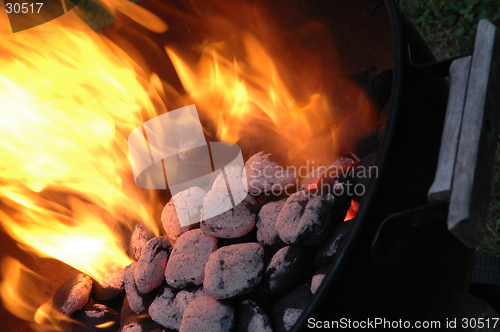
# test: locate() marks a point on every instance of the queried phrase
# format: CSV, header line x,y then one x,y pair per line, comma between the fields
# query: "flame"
x,y
13,298
231,88
353,210
70,98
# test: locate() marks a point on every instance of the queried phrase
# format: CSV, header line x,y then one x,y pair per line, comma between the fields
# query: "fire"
x,y
233,90
70,98
353,209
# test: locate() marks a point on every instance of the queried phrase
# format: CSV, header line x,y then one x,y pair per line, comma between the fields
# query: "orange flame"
x,y
70,98
235,90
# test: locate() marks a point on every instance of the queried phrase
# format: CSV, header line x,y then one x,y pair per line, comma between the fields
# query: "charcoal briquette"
x,y
305,219
73,294
140,236
251,318
186,265
287,311
138,302
265,176
234,270
288,268
150,268
109,287
232,222
187,206
168,308
267,235
317,279
325,253
207,314
142,323
100,318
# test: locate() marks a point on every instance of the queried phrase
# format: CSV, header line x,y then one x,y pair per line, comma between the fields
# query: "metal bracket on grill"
x,y
384,244
468,144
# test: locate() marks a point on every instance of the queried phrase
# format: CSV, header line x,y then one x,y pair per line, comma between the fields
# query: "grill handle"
x,y
469,140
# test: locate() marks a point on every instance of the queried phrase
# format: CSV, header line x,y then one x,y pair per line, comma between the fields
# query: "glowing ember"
x,y
353,209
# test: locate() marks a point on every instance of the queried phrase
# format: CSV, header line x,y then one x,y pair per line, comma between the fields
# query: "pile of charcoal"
x,y
253,267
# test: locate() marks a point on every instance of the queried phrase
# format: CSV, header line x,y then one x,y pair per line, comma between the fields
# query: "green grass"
x,y
449,28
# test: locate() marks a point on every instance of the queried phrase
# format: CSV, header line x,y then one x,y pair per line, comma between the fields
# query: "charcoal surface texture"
x,y
109,287
305,219
168,308
138,302
140,236
99,317
326,252
267,235
265,175
330,173
235,177
150,268
186,265
73,294
142,323
288,268
234,222
209,315
234,270
288,310
251,318
188,203
317,279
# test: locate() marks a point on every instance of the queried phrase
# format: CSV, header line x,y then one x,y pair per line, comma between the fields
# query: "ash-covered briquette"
x,y
207,314
251,318
186,265
109,287
326,252
142,323
267,235
234,222
98,314
234,270
168,308
265,175
317,279
287,311
235,177
73,294
140,236
188,204
305,219
288,268
138,302
150,268
329,174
